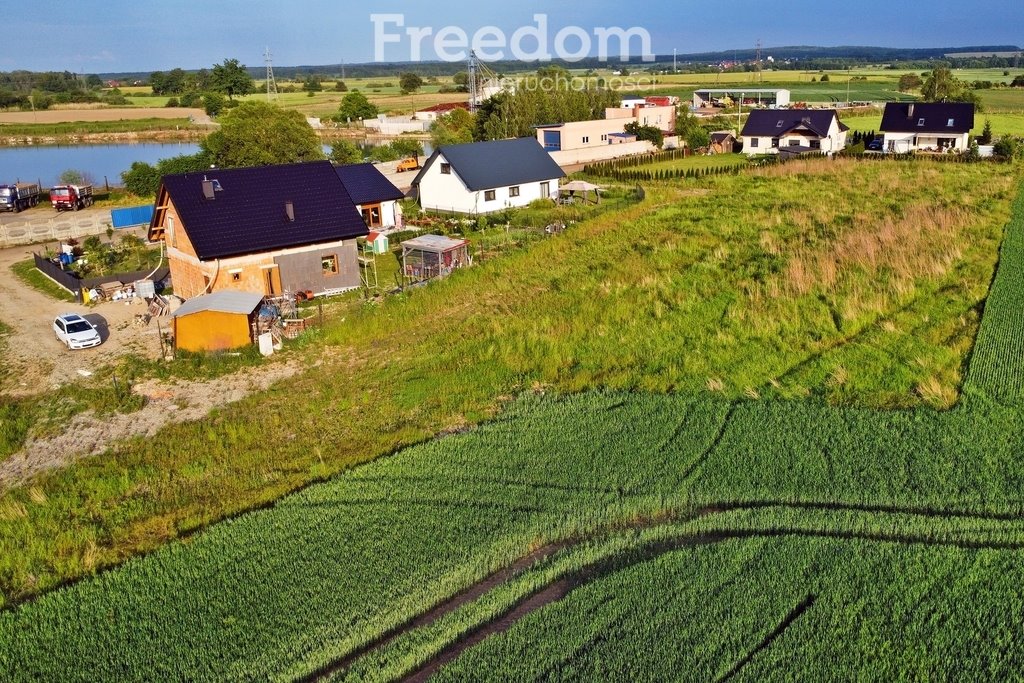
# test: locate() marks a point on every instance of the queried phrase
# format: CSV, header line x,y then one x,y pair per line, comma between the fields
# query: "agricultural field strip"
x,y
989,528
588,516
995,367
572,564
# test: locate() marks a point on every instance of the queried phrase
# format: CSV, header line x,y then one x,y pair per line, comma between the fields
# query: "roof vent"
x,y
208,189
910,111
289,211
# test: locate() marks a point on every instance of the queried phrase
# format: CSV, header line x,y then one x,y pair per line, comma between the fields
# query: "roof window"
x,y
920,122
949,123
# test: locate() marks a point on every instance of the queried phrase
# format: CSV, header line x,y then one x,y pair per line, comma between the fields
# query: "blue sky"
x,y
116,35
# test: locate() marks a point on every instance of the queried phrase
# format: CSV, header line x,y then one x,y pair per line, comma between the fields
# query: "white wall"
x,y
572,157
909,142
834,142
387,215
897,142
440,192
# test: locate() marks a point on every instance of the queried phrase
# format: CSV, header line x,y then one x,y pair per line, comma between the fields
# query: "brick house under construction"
x,y
270,230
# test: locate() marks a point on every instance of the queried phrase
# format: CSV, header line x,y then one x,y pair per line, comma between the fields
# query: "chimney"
x,y
289,211
207,188
910,111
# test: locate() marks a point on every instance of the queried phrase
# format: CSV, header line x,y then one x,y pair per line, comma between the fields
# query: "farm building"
x,y
482,177
375,197
772,98
927,126
216,322
799,131
271,230
430,256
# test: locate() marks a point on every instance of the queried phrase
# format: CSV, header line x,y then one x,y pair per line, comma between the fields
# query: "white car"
x,y
75,332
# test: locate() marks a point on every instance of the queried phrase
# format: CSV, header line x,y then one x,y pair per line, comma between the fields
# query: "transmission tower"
x,y
271,83
757,63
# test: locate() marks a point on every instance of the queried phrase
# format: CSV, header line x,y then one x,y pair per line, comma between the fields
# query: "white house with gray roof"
x,y
483,177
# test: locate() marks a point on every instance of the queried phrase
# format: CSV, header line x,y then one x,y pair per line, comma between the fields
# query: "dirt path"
x,y
112,114
32,361
166,402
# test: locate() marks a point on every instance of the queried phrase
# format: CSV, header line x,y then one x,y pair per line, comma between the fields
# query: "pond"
x,y
98,163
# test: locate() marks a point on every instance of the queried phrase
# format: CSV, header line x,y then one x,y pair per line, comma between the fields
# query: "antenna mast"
x,y
271,83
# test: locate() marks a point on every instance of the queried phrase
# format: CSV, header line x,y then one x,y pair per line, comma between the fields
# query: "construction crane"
x,y
479,76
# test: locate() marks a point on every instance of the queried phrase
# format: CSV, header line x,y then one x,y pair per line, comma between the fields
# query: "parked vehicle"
x,y
71,197
875,145
18,197
75,332
410,164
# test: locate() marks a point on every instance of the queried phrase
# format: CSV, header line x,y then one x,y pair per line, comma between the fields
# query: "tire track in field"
x,y
563,586
791,617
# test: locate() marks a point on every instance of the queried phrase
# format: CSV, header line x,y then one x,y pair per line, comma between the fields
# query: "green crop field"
x,y
741,429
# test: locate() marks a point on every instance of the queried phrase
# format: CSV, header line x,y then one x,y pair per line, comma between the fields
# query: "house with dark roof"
x,y
270,230
376,198
927,126
794,131
481,177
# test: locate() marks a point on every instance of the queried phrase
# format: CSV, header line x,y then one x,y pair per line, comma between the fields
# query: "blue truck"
x,y
18,196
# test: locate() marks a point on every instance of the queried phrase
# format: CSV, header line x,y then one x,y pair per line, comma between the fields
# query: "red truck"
x,y
73,197
18,197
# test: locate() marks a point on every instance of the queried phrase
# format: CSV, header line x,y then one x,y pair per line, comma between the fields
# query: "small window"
x,y
586,139
949,123
446,169
794,142
604,138
236,277
815,144
488,195
920,122
545,190
329,264
775,142
754,142
513,191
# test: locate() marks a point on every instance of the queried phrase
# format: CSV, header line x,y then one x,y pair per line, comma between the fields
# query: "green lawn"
x,y
697,162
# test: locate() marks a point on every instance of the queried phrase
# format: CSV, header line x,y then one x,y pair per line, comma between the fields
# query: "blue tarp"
x,y
130,217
